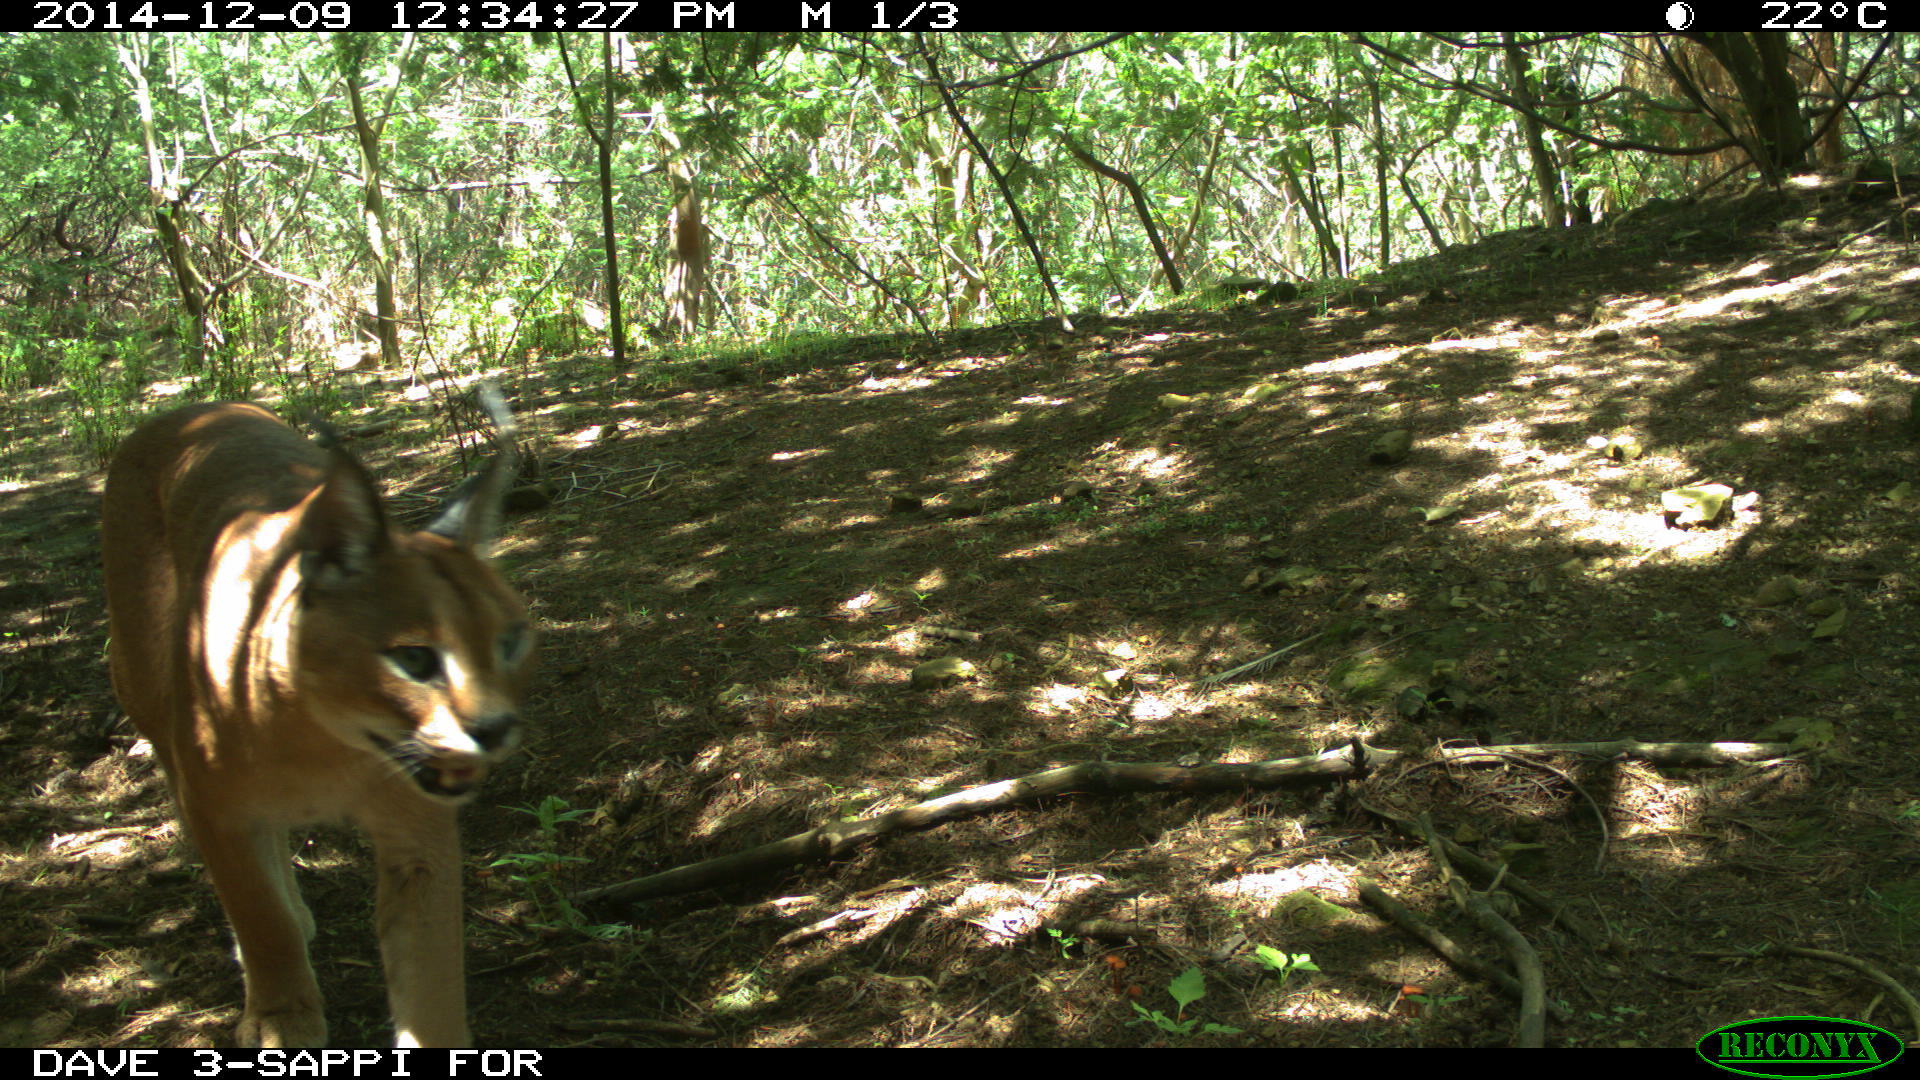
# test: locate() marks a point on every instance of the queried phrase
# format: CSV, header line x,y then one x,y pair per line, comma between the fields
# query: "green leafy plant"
x,y
539,872
552,813
1065,940
1281,963
100,410
1186,988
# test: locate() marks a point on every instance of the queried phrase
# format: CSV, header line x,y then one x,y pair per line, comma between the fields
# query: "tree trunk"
x,y
1546,175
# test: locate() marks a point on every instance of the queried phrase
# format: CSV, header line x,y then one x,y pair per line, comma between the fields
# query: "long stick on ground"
x,y
836,839
1097,777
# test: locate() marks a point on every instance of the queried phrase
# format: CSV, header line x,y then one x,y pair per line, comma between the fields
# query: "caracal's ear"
x,y
471,516
342,526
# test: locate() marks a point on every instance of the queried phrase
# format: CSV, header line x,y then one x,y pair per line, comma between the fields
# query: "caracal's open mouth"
x,y
440,778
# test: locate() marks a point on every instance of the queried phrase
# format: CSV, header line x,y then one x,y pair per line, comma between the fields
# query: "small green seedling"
x,y
539,872
552,813
1186,988
1283,964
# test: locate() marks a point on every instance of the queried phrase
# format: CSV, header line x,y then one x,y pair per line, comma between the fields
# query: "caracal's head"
x,y
410,645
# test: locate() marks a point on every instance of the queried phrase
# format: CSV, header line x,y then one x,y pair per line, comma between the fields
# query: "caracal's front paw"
x,y
296,1026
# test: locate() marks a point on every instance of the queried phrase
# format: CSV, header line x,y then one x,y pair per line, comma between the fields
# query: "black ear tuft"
x,y
471,515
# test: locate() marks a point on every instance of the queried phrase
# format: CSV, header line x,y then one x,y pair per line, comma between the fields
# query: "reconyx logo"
x,y
1802,1047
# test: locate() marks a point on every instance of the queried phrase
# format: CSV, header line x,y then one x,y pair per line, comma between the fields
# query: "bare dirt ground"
x,y
732,605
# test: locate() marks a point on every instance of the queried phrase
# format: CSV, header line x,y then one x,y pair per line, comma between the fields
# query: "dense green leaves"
x,y
846,181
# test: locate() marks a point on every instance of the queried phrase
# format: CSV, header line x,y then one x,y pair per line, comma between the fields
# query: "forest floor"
x,y
732,602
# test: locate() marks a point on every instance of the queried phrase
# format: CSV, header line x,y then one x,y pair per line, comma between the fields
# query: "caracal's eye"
x,y
420,663
513,643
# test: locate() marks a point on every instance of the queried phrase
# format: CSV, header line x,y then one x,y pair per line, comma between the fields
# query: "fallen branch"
x,y
636,1026
1665,753
1892,985
1520,952
1388,907
1487,873
837,839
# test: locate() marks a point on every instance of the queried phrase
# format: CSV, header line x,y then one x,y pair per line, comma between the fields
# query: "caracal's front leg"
x,y
251,872
418,915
